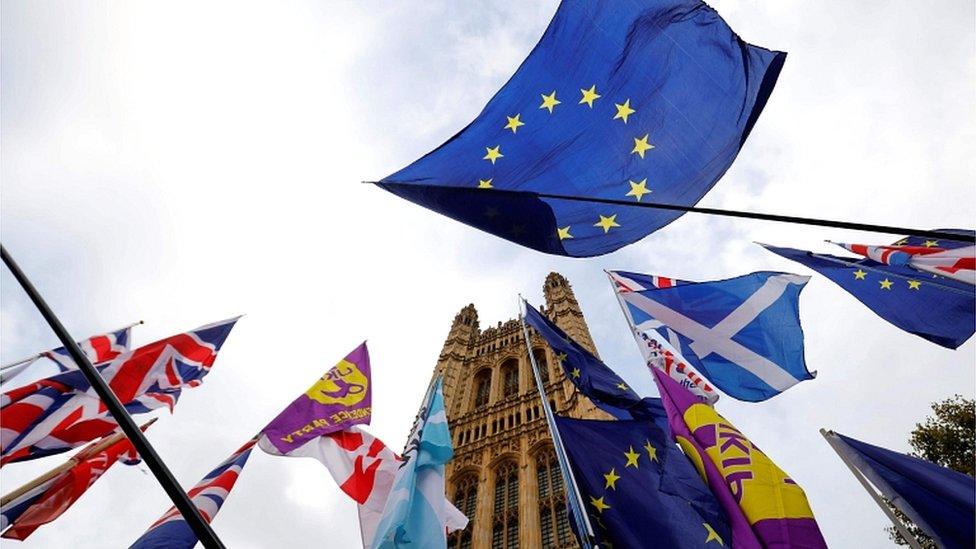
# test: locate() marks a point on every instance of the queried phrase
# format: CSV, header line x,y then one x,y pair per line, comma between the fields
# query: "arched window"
x,y
482,388
510,378
465,499
552,502
540,360
505,526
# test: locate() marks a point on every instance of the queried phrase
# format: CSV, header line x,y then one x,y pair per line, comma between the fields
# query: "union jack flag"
x,y
171,531
98,348
48,501
949,259
654,338
61,412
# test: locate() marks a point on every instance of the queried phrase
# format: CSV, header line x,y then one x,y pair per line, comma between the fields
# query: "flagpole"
x,y
835,445
190,513
576,499
39,355
89,450
889,229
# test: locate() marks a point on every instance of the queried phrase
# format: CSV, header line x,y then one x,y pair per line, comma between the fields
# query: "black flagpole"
x,y
727,213
182,502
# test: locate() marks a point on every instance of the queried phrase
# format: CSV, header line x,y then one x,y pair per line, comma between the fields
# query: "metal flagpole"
x,y
889,229
576,500
39,355
836,446
166,479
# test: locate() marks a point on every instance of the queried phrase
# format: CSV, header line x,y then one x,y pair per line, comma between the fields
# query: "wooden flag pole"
x,y
162,473
39,355
89,450
834,445
888,229
576,503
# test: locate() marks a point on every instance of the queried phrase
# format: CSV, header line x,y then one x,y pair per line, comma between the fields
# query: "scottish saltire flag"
x,y
639,489
940,501
939,309
763,505
171,531
415,513
653,337
638,101
61,412
98,348
340,399
743,334
592,377
46,502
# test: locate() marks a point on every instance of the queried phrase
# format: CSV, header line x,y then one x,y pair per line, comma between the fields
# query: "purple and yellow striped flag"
x,y
765,507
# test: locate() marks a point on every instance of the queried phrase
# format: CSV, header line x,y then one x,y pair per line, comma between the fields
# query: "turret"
x,y
564,310
464,333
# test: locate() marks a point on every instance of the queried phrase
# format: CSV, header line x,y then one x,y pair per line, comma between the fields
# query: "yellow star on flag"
x,y
607,223
563,232
491,212
651,450
632,458
859,274
484,183
641,145
886,284
514,122
493,153
931,243
560,357
599,504
612,477
575,373
549,101
712,534
589,96
622,386
914,285
623,111
638,189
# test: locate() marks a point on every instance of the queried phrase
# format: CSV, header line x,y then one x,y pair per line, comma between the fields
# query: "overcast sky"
x,y
184,162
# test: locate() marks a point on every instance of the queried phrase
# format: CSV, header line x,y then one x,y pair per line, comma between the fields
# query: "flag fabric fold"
x,y
416,512
940,501
49,500
935,308
640,490
61,412
743,334
763,505
625,101
98,348
172,531
591,376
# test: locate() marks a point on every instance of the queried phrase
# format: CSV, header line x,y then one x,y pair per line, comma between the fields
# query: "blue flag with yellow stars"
x,y
638,101
592,377
933,307
639,489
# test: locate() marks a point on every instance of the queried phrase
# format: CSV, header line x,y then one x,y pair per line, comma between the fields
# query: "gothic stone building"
x,y
504,475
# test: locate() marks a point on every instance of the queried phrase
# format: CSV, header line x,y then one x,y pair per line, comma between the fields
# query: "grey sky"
x,y
183,162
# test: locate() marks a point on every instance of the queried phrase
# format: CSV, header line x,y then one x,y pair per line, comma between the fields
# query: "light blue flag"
x,y
416,512
743,334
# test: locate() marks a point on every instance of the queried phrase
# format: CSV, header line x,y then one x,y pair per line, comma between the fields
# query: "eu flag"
x,y
639,489
938,309
637,101
592,377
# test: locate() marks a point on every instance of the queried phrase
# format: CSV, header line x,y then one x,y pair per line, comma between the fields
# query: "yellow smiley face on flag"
x,y
344,385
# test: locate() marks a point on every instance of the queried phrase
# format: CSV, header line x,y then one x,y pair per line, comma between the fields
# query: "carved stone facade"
x,y
504,474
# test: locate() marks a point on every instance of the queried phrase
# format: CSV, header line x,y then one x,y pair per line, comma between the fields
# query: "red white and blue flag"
x,y
956,261
98,348
61,412
171,531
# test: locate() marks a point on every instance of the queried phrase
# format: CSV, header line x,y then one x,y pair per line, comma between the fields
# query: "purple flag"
x,y
343,397
765,507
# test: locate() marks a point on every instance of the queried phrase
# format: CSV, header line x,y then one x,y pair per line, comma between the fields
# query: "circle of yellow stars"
x,y
588,96
886,283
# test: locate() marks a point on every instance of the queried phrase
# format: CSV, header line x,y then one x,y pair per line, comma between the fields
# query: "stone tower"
x,y
504,475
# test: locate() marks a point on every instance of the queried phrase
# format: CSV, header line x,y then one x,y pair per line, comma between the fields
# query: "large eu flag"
x,y
935,308
639,489
592,377
645,100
